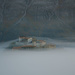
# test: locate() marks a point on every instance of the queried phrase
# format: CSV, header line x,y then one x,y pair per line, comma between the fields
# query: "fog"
x,y
56,61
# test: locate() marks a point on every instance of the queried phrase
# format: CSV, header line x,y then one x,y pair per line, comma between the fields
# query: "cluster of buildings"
x,y
29,42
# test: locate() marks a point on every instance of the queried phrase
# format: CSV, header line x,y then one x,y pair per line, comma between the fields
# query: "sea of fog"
x,y
56,61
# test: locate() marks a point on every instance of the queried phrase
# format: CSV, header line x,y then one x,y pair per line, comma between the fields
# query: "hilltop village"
x,y
29,42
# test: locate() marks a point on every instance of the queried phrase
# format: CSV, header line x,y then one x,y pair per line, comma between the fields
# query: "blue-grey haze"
x,y
45,18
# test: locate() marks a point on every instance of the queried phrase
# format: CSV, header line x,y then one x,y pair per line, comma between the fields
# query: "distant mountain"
x,y
46,18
